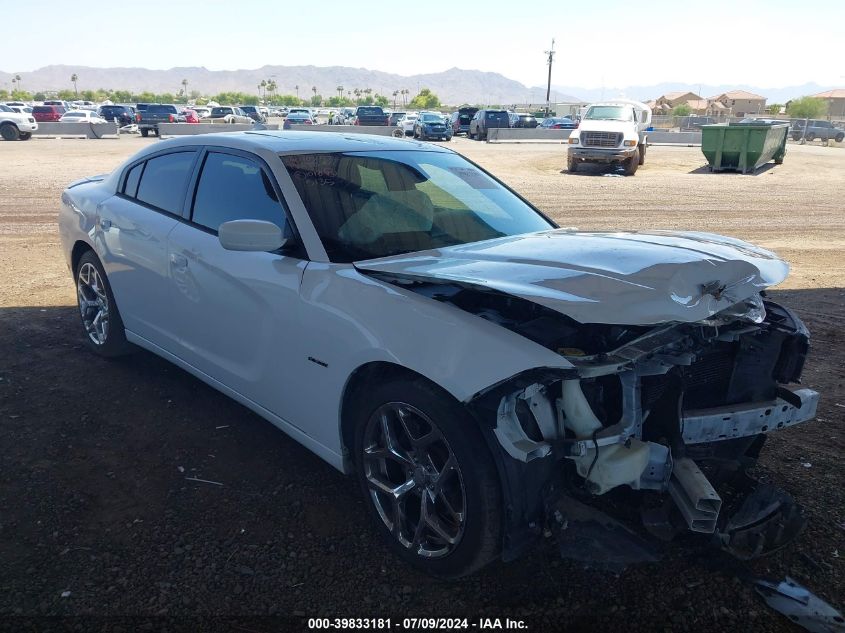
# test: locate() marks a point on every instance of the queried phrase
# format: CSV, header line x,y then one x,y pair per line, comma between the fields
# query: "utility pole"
x,y
551,58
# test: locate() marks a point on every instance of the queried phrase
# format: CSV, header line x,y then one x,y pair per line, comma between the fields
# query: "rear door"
x,y
237,313
132,227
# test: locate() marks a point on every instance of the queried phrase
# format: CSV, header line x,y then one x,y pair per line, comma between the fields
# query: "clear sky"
x,y
770,43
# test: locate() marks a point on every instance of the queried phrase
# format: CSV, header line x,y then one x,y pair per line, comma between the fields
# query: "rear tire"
x,y
444,470
145,132
97,307
25,136
10,132
839,138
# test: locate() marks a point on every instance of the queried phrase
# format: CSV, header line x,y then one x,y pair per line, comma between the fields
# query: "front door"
x,y
237,312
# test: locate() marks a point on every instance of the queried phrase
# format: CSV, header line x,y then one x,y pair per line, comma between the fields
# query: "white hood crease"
x,y
625,278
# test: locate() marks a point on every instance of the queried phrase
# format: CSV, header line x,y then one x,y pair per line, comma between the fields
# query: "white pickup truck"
x,y
611,132
16,125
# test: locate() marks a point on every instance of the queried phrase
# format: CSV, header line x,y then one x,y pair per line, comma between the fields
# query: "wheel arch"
x,y
355,390
76,253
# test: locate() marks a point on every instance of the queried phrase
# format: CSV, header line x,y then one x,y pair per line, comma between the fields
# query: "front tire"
x,y
632,163
145,132
428,479
10,132
101,321
571,165
642,154
25,136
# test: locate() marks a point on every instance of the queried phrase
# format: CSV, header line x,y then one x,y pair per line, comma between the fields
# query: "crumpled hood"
x,y
626,278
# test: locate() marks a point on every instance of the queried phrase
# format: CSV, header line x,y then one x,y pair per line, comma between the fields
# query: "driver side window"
x,y
235,188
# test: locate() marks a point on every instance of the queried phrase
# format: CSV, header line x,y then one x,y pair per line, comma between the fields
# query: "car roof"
x,y
282,142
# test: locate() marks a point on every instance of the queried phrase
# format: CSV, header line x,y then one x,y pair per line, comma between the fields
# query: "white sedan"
x,y
406,123
81,116
411,320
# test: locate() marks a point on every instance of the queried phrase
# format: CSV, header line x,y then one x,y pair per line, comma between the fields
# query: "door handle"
x,y
105,224
178,261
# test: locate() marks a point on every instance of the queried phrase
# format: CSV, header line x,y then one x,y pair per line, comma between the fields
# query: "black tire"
x,y
839,138
25,136
145,132
571,165
155,132
115,343
632,163
469,134
796,137
479,534
642,153
10,132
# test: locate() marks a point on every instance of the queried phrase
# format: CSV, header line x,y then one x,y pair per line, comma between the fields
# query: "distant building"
x,y
665,103
835,102
737,103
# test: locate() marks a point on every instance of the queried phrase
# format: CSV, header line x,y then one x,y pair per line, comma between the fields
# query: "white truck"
x,y
611,132
16,125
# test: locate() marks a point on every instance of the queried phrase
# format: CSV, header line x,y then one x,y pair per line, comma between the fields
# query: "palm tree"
x,y
339,91
395,93
16,78
271,86
73,79
263,85
185,89
296,87
357,92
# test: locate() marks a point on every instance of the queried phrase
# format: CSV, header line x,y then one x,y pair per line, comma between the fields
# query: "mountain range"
x,y
453,86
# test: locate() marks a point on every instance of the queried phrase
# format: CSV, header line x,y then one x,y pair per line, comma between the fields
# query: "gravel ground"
x,y
94,499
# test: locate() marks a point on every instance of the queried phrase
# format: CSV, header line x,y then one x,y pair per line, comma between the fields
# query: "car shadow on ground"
x,y
99,495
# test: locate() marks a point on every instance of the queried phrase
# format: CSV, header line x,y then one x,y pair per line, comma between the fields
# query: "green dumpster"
x,y
743,146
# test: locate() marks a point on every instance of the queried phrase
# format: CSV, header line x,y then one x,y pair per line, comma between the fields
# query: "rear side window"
x,y
130,187
164,181
42,109
235,188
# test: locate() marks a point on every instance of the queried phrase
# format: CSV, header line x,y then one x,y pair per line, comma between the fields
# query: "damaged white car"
x,y
487,376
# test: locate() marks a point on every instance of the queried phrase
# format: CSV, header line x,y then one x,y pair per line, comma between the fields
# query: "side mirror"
x,y
250,235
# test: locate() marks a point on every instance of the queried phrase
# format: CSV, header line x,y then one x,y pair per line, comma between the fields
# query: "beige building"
x,y
737,103
665,103
835,102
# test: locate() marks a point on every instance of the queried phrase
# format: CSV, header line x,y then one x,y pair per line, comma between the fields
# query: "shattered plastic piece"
x,y
590,536
806,464
181,469
767,520
801,606
66,594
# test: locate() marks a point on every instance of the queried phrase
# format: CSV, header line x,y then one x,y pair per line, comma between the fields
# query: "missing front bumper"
x,y
730,422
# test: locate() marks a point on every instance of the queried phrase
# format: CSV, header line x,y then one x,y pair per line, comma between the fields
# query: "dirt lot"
x,y
92,499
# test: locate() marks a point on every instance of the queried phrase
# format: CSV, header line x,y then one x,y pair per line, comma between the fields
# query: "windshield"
x,y
366,205
4,108
370,111
609,113
432,118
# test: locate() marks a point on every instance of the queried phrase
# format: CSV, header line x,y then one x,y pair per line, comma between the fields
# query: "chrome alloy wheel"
x,y
414,480
93,303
